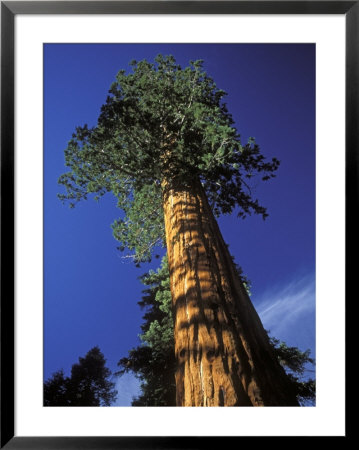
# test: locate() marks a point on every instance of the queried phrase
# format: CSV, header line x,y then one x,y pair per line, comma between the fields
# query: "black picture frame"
x,y
9,9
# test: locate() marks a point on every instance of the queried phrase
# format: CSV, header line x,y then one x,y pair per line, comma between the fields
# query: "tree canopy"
x,y
162,125
88,385
153,362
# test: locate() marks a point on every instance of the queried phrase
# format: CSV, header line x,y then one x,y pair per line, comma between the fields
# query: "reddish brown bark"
x,y
222,350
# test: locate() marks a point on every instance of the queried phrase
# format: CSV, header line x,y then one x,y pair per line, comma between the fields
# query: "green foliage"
x,y
88,384
140,232
162,125
291,357
296,365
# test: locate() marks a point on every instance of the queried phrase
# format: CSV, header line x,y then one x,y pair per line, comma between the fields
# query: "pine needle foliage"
x,y
162,125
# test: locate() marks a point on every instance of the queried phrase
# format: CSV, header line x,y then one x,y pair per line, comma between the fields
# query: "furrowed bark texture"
x,y
223,353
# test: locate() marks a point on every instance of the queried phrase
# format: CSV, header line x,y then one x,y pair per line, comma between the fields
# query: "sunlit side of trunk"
x,y
223,353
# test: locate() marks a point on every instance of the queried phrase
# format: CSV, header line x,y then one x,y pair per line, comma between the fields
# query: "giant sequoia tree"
x,y
165,145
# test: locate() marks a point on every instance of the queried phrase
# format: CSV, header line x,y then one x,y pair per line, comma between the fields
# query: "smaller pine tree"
x,y
153,362
88,385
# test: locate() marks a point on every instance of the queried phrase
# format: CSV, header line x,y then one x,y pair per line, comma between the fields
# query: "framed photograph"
x,y
178,119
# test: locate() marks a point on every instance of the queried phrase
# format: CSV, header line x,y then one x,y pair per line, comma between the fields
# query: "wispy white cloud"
x,y
283,309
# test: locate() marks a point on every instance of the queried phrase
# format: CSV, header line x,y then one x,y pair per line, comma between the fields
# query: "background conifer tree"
x,y
88,385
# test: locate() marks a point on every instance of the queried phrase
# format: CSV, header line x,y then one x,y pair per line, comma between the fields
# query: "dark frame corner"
x,y
9,9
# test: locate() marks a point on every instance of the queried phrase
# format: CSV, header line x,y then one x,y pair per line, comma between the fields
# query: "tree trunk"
x,y
222,350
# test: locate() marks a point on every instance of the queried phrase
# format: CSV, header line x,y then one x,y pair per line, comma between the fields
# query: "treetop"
x,y
162,123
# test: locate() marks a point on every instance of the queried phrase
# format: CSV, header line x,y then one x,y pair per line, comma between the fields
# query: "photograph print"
x,y
179,225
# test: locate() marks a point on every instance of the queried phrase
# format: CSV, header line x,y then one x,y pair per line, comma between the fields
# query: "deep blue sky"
x,y
90,293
